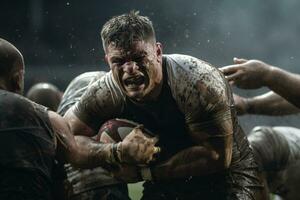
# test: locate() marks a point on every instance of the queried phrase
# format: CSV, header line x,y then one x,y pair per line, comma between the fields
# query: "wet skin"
x,y
138,70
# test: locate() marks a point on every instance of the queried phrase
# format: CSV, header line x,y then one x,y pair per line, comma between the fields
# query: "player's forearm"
x,y
77,127
90,154
270,104
285,84
189,162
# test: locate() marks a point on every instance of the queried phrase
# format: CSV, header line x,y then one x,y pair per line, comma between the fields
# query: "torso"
x,y
28,141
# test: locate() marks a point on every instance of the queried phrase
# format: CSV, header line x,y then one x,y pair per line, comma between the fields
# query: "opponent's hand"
x,y
241,104
127,173
247,74
137,148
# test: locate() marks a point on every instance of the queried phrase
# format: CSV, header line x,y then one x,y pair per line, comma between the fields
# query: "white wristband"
x,y
146,173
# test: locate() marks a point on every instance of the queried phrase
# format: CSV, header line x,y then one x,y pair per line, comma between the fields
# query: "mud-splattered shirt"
x,y
198,90
277,150
194,106
76,88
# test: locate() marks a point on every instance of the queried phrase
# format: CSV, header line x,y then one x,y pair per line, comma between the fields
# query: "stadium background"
x,y
61,39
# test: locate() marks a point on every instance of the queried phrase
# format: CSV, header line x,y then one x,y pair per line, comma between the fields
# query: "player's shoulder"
x,y
90,75
188,63
105,89
85,78
19,104
185,68
10,98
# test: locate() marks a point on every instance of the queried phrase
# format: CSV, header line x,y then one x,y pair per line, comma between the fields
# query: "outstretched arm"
x,y
252,74
269,103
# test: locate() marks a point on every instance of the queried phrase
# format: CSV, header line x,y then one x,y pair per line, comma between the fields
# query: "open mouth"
x,y
134,81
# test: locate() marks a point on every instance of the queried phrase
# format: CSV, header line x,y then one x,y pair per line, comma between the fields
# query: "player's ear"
x,y
159,51
17,82
106,60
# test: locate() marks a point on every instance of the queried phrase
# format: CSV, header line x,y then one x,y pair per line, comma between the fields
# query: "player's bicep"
x,y
210,119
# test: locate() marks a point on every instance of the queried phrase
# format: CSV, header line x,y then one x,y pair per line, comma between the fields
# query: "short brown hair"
x,y
123,30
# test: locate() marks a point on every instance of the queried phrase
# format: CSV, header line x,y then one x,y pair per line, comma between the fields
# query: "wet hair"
x,y
45,94
9,56
121,31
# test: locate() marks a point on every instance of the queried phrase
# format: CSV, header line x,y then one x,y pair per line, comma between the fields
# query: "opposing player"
x,y
32,136
186,101
45,94
277,151
97,183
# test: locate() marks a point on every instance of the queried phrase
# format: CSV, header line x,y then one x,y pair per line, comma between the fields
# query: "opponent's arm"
x,y
285,84
83,152
269,103
77,127
252,74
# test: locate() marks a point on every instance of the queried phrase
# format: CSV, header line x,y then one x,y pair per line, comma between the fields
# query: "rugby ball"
x,y
115,130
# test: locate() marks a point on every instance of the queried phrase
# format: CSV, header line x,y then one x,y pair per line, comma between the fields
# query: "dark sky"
x,y
60,39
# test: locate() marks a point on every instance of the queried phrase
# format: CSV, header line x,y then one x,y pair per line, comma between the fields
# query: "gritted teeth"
x,y
135,80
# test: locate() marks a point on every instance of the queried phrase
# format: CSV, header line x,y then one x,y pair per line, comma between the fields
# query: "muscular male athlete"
x,y
32,136
185,101
96,183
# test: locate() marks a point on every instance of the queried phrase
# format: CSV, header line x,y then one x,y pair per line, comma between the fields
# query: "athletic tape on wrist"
x,y
115,152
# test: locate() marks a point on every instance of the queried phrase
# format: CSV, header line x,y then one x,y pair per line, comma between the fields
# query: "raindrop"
x,y
68,3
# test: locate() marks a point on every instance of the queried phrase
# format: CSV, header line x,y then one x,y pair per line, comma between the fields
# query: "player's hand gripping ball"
x,y
139,147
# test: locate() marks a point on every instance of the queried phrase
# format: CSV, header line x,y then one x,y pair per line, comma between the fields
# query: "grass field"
x,y
135,190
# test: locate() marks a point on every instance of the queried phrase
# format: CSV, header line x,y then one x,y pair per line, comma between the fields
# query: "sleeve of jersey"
x,y
203,95
98,104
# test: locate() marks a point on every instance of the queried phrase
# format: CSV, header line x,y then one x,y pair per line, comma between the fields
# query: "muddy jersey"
x,y
277,150
194,98
27,147
83,180
76,88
